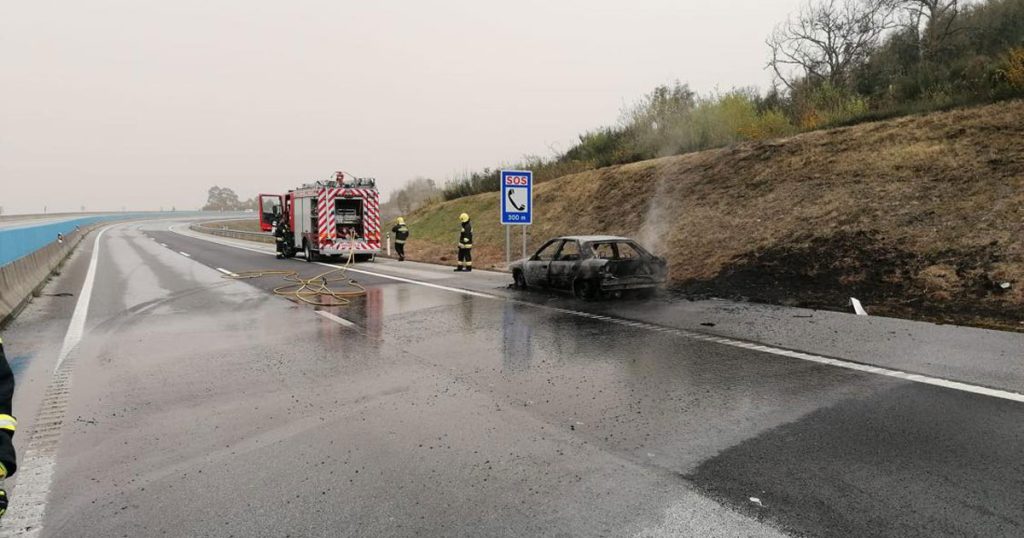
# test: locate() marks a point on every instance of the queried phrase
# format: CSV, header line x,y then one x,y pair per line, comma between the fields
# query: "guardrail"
x,y
261,237
22,277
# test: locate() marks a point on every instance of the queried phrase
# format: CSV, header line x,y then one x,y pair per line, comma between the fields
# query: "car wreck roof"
x,y
593,238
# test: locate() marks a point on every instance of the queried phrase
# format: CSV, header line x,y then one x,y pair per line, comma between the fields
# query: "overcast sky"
x,y
143,104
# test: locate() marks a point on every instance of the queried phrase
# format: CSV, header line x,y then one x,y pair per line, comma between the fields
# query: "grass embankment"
x,y
919,217
247,224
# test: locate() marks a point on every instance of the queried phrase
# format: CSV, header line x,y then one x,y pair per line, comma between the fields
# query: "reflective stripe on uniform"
x,y
7,422
3,475
399,241
468,246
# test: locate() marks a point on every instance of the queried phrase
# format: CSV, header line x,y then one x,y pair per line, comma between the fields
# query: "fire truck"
x,y
337,217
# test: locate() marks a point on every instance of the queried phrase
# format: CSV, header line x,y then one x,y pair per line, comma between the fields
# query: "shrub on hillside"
x,y
927,55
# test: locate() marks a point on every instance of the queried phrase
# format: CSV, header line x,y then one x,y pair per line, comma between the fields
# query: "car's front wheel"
x,y
519,279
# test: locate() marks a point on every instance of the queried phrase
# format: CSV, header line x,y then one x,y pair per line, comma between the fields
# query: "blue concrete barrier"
x,y
18,242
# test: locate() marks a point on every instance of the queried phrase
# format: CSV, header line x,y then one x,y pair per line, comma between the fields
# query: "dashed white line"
x,y
163,244
840,363
225,271
336,319
185,254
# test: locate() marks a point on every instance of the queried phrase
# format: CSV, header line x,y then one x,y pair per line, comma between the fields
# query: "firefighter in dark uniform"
x,y
8,464
401,232
281,238
465,244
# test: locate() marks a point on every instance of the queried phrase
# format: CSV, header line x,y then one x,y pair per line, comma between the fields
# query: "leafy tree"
x,y
221,199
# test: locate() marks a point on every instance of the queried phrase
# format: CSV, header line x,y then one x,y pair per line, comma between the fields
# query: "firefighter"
x,y
8,462
401,232
465,244
283,239
289,237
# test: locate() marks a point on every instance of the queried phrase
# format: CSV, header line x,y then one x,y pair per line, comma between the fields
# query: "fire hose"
x,y
317,290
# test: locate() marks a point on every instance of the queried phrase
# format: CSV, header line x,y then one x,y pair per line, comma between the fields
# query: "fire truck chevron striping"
x,y
330,217
326,213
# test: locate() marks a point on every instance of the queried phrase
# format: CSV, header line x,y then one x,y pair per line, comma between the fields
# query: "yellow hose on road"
x,y
316,290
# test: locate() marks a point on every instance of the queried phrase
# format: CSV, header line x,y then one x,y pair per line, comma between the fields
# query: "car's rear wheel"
x,y
585,289
519,279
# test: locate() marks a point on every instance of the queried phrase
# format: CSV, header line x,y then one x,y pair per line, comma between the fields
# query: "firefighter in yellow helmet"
x,y
401,232
8,462
465,244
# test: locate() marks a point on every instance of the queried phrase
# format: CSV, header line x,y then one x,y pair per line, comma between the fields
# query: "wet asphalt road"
x,y
202,406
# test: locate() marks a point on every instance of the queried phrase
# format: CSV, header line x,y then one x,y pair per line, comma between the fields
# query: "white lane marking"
x,y
185,254
336,319
416,273
361,271
418,282
77,325
163,244
732,342
35,472
225,271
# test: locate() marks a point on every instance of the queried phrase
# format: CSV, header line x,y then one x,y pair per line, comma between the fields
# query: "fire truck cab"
x,y
338,217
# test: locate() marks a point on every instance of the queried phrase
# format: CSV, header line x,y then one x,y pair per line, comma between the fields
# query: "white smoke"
x,y
657,219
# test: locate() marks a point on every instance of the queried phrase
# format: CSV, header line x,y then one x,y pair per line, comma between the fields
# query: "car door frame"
x,y
267,218
535,270
562,273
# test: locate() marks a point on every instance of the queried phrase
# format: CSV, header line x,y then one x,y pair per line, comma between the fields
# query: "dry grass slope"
x,y
919,217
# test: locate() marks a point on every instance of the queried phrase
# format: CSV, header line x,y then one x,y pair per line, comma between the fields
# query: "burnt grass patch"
x,y
823,272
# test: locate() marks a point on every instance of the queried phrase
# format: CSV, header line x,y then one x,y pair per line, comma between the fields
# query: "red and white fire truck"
x,y
337,217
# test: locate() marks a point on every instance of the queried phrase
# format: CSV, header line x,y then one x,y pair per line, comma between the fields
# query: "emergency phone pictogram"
x,y
517,195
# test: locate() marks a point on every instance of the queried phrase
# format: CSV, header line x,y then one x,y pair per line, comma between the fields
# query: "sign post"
x,y
516,204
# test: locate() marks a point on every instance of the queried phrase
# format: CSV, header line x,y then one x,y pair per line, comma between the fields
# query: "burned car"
x,y
590,266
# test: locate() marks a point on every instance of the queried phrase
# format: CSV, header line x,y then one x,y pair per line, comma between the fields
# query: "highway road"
x,y
158,398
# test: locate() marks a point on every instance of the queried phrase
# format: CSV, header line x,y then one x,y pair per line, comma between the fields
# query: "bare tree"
x,y
825,41
933,20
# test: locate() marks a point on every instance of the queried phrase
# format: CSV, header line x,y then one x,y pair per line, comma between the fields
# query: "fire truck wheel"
x,y
310,256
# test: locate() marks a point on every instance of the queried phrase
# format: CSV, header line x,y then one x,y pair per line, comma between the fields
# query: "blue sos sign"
x,y
516,197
